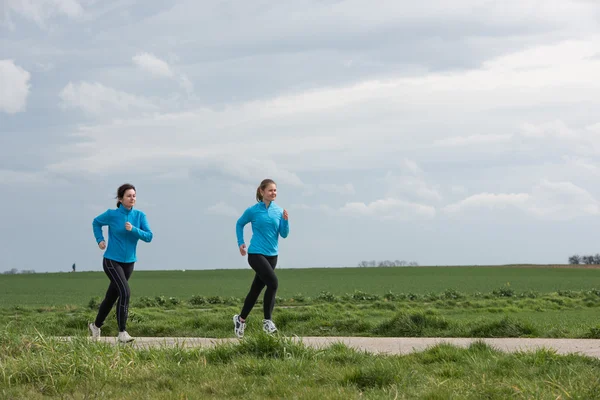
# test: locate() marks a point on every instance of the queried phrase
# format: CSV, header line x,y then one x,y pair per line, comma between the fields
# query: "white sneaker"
x,y
124,337
269,326
94,331
238,326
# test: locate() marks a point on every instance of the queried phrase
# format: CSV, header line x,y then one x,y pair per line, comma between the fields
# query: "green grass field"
x,y
391,302
60,289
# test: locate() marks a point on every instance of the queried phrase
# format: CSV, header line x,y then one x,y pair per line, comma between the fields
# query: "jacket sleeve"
x,y
97,224
143,232
239,226
284,227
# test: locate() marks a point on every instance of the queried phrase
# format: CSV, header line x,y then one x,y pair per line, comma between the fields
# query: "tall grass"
x,y
446,314
262,366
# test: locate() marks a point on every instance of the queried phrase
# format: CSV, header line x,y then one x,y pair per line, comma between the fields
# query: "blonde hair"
x,y
263,185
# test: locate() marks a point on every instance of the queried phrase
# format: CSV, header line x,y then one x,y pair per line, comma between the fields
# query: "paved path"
x,y
588,347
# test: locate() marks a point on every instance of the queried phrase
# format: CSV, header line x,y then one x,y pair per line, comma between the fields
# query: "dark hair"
x,y
121,192
263,186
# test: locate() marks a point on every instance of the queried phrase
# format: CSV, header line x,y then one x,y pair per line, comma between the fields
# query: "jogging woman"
x,y
269,221
126,226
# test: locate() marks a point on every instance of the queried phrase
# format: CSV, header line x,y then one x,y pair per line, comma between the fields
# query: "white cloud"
x,y
40,11
343,189
95,98
473,140
389,209
222,209
583,164
412,166
547,200
488,200
412,185
562,200
14,82
154,65
150,63
582,141
360,126
555,128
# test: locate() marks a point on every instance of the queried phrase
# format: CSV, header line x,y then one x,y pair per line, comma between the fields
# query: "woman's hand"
x,y
285,215
243,249
102,245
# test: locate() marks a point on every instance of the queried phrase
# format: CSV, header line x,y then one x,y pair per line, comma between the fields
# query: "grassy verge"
x,y
261,366
500,313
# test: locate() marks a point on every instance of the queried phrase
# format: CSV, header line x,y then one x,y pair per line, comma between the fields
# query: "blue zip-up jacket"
x,y
122,243
267,225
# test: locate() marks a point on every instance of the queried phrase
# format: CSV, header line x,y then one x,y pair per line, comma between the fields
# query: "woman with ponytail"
x,y
126,226
269,221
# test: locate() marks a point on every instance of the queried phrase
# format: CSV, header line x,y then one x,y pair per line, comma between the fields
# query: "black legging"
x,y
264,266
119,274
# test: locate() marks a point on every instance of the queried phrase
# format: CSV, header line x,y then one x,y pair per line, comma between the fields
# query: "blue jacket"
x,y
121,242
267,225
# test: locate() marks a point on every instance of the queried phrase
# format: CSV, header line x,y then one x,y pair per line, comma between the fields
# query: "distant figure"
x,y
74,267
126,226
269,221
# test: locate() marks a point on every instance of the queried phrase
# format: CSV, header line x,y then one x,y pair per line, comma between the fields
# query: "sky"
x,y
462,134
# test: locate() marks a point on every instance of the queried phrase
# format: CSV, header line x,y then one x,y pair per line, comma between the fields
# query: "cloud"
x,y
342,189
157,67
582,164
40,11
562,200
97,99
473,140
410,183
389,209
222,209
556,129
489,201
14,82
37,178
547,200
150,63
584,140
363,126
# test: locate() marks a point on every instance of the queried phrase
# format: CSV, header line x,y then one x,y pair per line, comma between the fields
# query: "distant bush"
x,y
362,296
503,292
198,300
326,296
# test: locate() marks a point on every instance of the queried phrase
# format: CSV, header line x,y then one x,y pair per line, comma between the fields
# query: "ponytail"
x,y
263,185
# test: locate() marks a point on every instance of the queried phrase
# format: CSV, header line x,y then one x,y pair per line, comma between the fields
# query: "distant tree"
x,y
387,263
13,271
597,259
589,260
575,259
28,271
